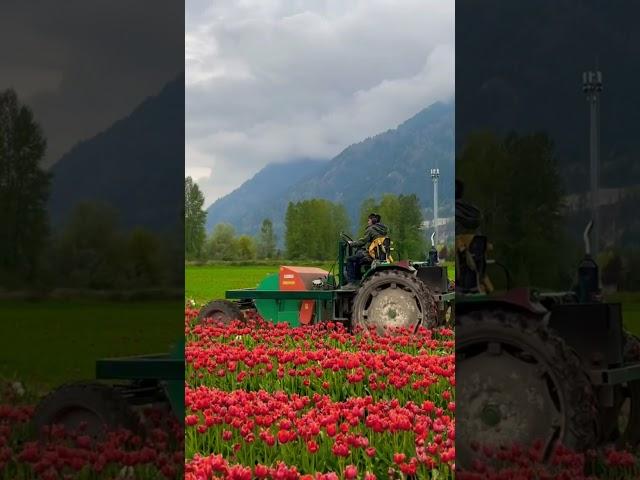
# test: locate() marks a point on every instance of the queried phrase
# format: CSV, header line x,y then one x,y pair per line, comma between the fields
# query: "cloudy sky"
x,y
82,65
271,81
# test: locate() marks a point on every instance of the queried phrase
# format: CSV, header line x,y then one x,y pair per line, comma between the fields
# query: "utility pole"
x,y
592,87
435,174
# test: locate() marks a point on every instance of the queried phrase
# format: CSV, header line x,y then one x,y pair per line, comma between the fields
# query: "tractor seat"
x,y
471,252
380,250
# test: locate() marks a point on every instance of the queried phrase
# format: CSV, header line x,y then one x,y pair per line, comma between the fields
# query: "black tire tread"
x,y
230,309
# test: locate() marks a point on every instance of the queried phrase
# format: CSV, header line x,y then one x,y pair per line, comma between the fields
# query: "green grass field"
x,y
70,335
630,309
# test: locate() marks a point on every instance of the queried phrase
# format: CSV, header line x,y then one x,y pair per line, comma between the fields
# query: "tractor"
x,y
390,294
531,367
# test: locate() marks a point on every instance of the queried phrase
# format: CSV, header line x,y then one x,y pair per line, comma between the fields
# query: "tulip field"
x,y
267,401
58,454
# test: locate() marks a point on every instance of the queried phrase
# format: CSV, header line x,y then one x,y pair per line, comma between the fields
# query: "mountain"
x,y
135,166
396,161
262,196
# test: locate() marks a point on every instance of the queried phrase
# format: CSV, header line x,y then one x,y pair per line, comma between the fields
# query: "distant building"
x,y
446,229
582,201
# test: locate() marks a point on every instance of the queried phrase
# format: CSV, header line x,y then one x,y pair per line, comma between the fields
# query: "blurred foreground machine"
x,y
547,367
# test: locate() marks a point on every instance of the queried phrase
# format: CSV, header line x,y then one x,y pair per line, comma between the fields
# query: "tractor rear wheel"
x,y
220,311
394,299
94,407
621,423
518,384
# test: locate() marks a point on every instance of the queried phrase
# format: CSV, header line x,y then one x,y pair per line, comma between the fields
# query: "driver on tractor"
x,y
374,230
471,248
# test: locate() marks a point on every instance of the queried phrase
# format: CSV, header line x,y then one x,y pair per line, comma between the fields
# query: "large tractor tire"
x,y
391,299
518,384
96,407
220,311
621,423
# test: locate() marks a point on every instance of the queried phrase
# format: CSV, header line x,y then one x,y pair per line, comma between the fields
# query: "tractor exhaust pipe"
x,y
585,236
433,252
588,288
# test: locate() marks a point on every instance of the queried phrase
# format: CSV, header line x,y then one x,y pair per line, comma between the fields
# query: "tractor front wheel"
x,y
220,311
391,299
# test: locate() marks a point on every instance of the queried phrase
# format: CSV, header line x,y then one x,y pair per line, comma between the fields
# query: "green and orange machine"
x,y
390,294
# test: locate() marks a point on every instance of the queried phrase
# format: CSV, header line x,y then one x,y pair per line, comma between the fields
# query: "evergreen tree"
x,y
266,247
516,184
194,219
24,189
312,228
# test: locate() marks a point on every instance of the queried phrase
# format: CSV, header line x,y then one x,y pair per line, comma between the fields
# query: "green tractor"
x,y
555,367
390,294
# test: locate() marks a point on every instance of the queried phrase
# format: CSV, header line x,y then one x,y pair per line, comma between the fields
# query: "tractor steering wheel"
x,y
346,237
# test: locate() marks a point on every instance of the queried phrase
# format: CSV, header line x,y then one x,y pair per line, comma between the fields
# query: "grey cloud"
x,y
271,81
81,65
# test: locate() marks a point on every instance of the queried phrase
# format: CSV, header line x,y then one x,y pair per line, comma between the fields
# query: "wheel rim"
x,y
621,426
624,412
392,306
619,422
507,396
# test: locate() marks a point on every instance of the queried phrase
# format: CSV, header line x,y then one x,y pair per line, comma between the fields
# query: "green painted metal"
x,y
342,246
446,297
276,308
473,298
175,387
167,368
161,367
614,376
253,293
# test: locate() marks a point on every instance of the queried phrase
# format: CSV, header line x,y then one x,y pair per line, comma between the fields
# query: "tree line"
x,y
312,230
90,251
514,180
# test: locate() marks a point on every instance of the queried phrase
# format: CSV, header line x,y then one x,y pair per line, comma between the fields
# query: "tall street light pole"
x,y
435,174
592,87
